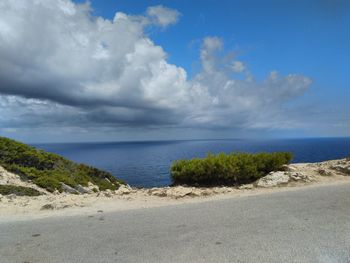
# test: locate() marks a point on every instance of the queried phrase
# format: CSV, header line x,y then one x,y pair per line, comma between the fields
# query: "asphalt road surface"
x,y
305,225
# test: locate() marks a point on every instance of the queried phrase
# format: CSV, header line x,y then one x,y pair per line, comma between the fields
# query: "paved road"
x,y
306,225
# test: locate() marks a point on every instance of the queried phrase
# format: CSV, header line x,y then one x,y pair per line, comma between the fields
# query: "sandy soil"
x,y
25,208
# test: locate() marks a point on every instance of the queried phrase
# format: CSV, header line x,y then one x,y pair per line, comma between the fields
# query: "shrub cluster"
x,y
18,190
48,170
227,169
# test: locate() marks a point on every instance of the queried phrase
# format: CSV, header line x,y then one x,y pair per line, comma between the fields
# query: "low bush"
x,y
18,190
48,170
227,169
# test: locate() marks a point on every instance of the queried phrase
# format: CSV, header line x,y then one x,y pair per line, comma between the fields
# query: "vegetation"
x,y
48,170
18,190
231,169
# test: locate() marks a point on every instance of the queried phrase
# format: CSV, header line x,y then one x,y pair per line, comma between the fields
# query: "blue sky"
x,y
306,42
308,37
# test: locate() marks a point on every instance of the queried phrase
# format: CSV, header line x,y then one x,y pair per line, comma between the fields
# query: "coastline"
x,y
301,175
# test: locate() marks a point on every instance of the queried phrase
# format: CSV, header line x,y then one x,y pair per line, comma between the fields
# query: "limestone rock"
x,y
342,167
206,192
93,187
161,192
273,179
221,190
11,196
47,207
282,178
197,192
178,192
246,186
83,190
300,177
322,172
68,189
289,168
107,193
123,190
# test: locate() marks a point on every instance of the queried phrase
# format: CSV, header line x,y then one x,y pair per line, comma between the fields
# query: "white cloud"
x,y
59,65
238,66
219,100
163,16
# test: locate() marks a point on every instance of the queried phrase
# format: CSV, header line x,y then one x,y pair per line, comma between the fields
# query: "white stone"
x,y
83,190
289,168
68,189
157,192
178,192
197,192
246,186
108,193
123,190
342,167
300,177
11,196
92,186
273,179
48,207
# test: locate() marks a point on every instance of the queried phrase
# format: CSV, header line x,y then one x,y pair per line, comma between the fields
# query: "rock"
x,y
47,207
106,193
83,190
324,172
56,192
178,192
221,190
93,187
273,179
123,190
68,189
289,168
246,186
300,177
342,167
11,196
280,178
161,192
206,192
197,192
216,190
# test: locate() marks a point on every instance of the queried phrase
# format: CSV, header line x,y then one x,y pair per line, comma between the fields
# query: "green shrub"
x,y
231,169
18,190
48,170
47,182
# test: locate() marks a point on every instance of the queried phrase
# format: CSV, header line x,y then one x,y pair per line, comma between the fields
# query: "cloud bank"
x,y
61,66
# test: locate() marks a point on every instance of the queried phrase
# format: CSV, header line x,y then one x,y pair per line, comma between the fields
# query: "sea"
x,y
147,163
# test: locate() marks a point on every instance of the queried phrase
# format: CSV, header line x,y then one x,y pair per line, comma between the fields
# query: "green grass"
x,y
48,170
223,169
18,190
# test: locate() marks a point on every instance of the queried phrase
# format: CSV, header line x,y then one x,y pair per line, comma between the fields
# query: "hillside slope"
x,y
49,170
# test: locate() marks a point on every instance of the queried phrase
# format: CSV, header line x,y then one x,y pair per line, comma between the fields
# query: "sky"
x,y
117,70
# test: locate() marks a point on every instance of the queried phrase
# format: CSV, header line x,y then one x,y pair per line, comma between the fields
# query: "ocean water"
x,y
147,164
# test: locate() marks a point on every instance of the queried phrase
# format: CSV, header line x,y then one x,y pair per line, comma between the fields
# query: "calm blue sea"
x,y
147,163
